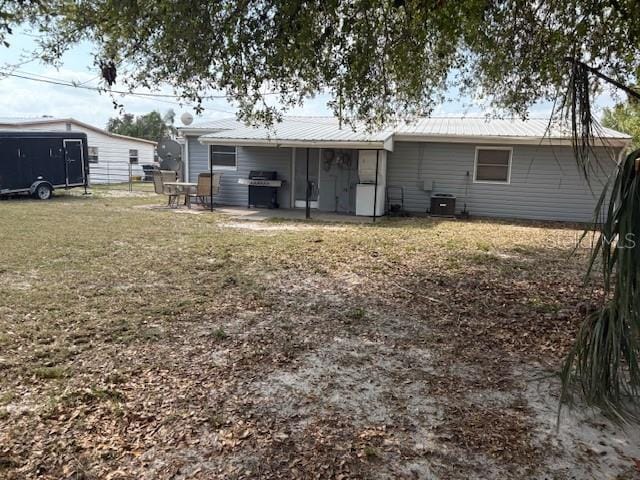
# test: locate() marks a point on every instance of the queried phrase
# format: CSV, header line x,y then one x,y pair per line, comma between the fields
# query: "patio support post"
x,y
375,191
308,204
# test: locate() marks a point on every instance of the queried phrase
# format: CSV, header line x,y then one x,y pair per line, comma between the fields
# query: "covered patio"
x,y
323,169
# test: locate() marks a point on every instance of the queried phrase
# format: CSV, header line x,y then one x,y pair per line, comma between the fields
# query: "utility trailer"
x,y
37,163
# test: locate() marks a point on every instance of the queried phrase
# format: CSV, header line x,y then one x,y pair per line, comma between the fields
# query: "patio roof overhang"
x,y
384,145
357,144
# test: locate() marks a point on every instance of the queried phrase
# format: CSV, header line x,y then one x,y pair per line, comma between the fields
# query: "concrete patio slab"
x,y
261,214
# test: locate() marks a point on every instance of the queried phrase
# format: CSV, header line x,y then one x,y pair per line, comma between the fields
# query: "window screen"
x,y
93,154
133,156
222,156
492,165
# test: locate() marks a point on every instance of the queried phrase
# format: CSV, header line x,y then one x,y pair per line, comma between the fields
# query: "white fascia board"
x,y
504,140
388,143
256,142
200,131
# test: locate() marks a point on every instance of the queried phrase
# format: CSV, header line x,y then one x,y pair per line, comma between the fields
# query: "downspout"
x,y
307,213
210,180
292,178
375,191
186,159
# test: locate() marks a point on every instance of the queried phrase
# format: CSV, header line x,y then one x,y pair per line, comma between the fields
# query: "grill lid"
x,y
263,175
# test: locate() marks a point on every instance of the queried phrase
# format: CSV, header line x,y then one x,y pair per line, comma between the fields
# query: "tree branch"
x,y
604,77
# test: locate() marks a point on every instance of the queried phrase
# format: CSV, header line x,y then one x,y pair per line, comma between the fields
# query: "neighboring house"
x,y
110,154
494,167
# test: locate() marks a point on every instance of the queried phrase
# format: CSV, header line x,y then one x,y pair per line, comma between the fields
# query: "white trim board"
x,y
242,142
485,139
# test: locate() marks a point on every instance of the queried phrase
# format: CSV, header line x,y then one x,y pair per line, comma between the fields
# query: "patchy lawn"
x,y
140,343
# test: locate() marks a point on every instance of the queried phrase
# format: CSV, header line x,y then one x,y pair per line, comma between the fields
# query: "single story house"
x,y
493,167
110,154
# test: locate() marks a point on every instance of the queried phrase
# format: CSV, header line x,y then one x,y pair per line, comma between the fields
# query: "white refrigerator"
x,y
365,198
365,190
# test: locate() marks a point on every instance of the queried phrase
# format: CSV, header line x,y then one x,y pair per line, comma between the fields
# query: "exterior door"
x,y
74,163
300,179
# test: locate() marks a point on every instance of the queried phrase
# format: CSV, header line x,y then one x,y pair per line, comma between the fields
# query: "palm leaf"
x,y
603,365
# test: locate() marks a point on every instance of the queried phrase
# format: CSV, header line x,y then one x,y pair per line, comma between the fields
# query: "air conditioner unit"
x,y
443,205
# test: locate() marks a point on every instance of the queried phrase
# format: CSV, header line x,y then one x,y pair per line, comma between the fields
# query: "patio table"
x,y
182,188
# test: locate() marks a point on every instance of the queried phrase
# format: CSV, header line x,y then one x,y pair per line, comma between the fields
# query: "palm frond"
x,y
603,365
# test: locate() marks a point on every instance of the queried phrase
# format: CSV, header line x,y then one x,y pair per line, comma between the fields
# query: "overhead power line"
x,y
97,89
82,85
158,97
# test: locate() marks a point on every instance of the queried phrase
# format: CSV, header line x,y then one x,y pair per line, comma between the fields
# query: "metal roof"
x,y
212,125
292,131
491,127
325,130
26,122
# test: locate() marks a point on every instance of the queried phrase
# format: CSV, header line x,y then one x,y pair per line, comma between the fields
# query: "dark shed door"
x,y
74,162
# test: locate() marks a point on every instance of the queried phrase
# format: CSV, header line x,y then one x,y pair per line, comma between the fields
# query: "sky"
x,y
22,98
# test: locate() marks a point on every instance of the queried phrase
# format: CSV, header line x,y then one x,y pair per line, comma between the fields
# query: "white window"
x,y
93,154
493,165
133,156
222,157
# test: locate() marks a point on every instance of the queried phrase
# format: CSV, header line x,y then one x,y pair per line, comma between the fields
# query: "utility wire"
x,y
158,97
96,89
141,95
53,81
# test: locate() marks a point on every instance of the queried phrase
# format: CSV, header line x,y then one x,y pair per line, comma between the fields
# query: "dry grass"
x,y
138,343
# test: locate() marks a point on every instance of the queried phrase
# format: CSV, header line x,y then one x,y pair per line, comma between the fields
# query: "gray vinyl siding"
x,y
248,158
545,181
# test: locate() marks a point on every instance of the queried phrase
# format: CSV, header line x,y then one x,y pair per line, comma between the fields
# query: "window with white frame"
x,y
222,157
133,156
493,165
93,154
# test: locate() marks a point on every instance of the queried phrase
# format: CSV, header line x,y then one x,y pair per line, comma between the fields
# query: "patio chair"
x,y
205,188
161,176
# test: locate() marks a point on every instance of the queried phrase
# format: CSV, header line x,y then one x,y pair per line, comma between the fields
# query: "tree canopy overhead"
x,y
378,59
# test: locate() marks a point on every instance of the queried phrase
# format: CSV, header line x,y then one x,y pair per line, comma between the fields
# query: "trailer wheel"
x,y
43,192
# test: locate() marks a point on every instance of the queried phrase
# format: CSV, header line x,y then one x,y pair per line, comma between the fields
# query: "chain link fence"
x,y
120,176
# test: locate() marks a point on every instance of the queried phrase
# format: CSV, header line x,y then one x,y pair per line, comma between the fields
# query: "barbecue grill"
x,y
263,188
